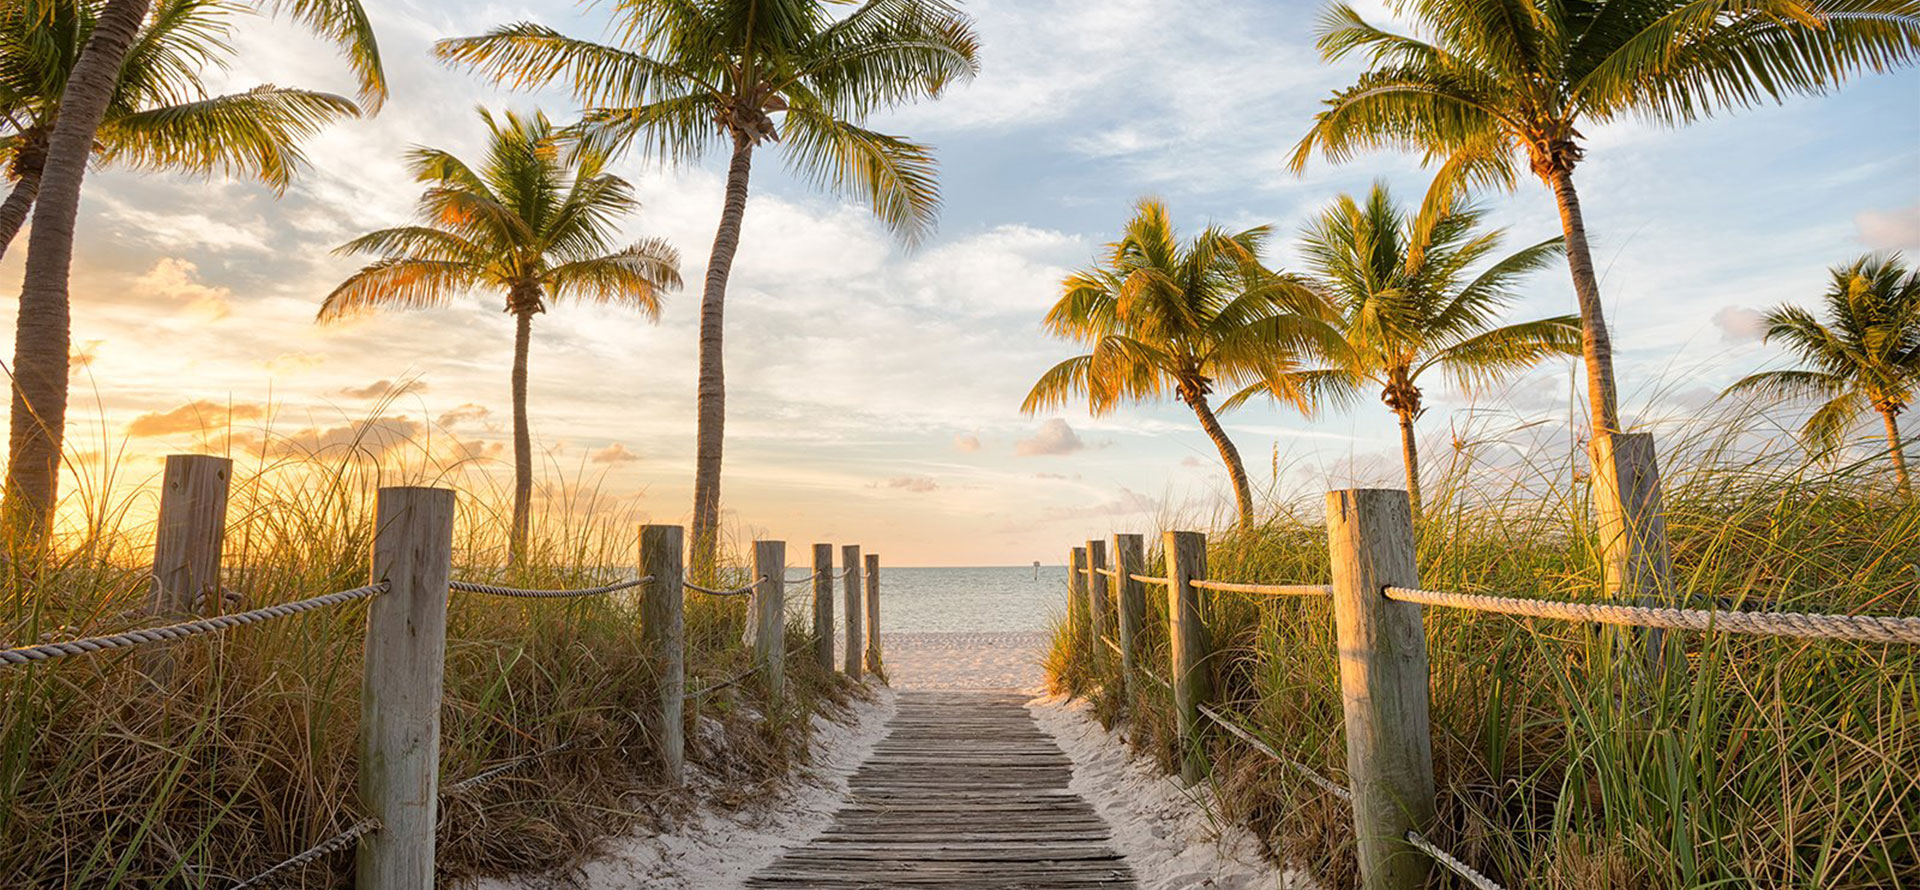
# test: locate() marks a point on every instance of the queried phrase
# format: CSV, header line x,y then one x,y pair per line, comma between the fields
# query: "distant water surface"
x,y
973,599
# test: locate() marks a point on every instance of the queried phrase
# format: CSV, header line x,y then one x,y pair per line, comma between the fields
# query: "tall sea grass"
x,y
1749,762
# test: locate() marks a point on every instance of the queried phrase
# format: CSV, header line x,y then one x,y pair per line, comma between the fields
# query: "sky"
x,y
873,391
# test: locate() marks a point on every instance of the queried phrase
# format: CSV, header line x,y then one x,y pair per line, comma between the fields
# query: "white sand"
x,y
1169,834
964,661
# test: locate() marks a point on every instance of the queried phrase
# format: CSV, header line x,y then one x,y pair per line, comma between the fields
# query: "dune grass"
x,y
246,754
1751,762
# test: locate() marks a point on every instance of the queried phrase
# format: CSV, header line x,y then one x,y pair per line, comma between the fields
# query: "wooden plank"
x,y
663,629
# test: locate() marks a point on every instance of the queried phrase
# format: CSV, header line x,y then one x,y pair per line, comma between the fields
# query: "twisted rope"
x,y
795,581
737,591
493,590
1858,628
1265,589
334,844
482,778
1307,772
716,687
29,654
1478,880
1149,579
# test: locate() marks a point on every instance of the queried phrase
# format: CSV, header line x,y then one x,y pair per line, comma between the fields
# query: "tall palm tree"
x,y
688,77
533,221
161,115
1409,304
1480,85
1865,355
43,331
1160,316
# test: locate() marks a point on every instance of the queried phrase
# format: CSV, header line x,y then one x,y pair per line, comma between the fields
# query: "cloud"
x,y
83,355
1738,324
367,439
1055,437
174,281
463,414
968,443
615,453
1890,229
294,362
384,389
1127,503
917,484
193,417
1191,461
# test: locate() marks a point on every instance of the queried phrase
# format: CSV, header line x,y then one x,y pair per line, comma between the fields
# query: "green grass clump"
x,y
1751,762
245,754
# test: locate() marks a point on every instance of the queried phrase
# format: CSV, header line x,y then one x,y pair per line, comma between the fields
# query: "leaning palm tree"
x,y
690,77
1482,85
532,221
1164,316
1865,355
43,332
161,115
1409,304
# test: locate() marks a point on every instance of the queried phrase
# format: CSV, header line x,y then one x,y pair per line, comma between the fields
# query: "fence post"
x,y
1635,563
1077,618
850,555
1097,598
192,525
874,663
405,661
768,616
823,605
1130,559
1383,682
663,628
1192,675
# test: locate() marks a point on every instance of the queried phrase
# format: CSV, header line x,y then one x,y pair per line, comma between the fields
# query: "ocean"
x,y
973,599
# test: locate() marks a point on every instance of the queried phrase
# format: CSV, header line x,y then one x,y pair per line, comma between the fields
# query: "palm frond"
x,y
895,177
401,283
635,277
256,133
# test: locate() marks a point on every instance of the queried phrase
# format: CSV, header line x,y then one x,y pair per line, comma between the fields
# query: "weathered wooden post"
x,y
1097,601
823,605
874,662
1636,565
663,629
1077,617
1383,682
1130,559
768,614
855,650
1192,649
192,526
405,659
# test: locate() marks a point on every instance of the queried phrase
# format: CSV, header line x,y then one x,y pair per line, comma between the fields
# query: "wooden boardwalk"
x,y
966,792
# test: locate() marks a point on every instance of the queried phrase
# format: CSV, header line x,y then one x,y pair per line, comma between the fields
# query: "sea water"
x,y
970,599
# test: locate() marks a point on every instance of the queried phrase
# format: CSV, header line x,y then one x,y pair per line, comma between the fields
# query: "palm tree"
x,y
533,221
688,77
1408,306
1865,355
1485,84
1164,316
43,331
161,114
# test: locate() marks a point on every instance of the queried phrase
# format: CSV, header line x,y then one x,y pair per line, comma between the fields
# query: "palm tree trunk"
x,y
13,211
1410,455
1596,346
711,412
1897,448
42,335
522,441
1236,471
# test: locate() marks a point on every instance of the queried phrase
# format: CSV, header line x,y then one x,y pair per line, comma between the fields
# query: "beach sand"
x,y
964,661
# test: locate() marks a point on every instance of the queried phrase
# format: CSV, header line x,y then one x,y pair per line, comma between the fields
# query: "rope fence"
x,y
524,593
1801,625
45,651
716,687
485,776
339,842
736,591
1265,589
1478,880
1149,579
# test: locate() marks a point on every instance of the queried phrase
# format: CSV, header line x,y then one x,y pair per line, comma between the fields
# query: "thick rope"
x,y
716,687
30,654
1858,628
1478,880
1307,772
482,778
1149,579
737,591
797,581
1265,589
334,844
493,590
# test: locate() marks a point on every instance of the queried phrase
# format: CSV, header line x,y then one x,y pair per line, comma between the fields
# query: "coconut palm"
x,y
1865,355
1480,85
1409,304
161,115
43,331
532,221
690,77
1160,316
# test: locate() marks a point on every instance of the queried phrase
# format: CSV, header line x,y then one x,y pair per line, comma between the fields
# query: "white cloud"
x,y
1890,229
1739,324
1055,437
968,443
